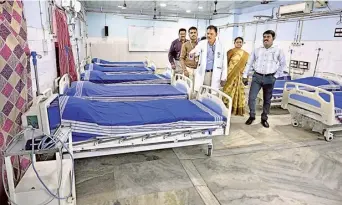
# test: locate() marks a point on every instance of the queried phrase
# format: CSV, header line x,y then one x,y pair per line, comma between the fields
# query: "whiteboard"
x,y
150,38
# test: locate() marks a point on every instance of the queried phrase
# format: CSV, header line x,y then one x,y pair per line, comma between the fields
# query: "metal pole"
x,y
67,57
78,56
34,61
319,50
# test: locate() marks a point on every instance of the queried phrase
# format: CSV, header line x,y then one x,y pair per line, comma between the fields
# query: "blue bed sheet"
x,y
101,61
103,78
313,81
94,91
117,69
94,118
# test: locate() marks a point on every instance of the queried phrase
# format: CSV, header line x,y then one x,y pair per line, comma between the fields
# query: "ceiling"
x,y
176,8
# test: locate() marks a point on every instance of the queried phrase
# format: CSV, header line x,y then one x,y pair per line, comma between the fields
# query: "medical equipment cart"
x,y
30,190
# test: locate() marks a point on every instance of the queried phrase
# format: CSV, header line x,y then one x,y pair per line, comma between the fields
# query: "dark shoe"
x,y
265,123
250,120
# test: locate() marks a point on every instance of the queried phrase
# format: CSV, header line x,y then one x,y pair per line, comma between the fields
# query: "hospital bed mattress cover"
x,y
101,77
94,91
122,69
313,81
95,118
104,62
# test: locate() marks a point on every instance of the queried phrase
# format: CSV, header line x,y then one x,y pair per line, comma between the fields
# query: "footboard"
x,y
310,99
64,83
213,99
183,83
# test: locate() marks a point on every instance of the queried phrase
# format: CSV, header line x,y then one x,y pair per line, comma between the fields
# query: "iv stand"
x,y
34,61
319,49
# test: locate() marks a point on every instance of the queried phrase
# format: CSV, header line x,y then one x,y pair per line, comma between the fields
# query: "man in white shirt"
x,y
268,63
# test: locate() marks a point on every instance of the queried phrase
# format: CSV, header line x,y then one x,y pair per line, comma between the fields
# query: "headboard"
x,y
330,76
64,83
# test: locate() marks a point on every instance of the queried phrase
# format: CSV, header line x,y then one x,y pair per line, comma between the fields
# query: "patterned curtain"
x,y
15,71
66,57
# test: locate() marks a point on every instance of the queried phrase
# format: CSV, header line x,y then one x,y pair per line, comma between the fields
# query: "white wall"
x,y
47,70
316,33
115,46
40,39
225,34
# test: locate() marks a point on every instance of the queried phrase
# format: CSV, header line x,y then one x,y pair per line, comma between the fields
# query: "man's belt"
x,y
209,71
269,74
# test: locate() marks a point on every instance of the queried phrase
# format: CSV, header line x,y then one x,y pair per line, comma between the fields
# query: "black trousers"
x,y
267,85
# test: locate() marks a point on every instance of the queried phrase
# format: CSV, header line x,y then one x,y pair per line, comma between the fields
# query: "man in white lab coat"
x,y
212,61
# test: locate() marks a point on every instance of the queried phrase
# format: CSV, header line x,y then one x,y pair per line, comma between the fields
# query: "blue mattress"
x,y
104,78
95,118
89,90
115,63
117,69
313,81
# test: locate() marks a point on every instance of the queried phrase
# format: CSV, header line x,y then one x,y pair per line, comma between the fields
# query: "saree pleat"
x,y
237,59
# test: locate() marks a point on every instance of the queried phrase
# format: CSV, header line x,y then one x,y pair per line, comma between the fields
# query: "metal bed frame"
x,y
321,116
277,100
144,141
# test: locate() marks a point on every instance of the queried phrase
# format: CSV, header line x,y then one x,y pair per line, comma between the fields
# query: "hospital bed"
x,y
324,80
314,106
122,69
102,62
104,78
181,88
104,128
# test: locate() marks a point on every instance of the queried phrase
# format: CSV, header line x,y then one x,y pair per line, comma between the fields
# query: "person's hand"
x,y
245,81
186,73
173,66
223,83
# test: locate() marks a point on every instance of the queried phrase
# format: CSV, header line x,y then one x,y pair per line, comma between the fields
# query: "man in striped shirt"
x,y
268,63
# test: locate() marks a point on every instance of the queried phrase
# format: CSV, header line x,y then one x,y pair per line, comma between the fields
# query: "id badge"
x,y
191,56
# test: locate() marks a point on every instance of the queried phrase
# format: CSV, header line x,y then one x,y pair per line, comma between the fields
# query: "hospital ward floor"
x,y
253,165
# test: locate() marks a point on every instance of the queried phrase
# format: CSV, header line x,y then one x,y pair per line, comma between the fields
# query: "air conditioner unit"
x,y
301,8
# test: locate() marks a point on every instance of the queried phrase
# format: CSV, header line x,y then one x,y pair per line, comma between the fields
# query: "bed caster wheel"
x,y
328,136
295,123
210,150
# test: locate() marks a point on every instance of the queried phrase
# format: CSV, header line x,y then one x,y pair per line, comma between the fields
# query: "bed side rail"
x,y
214,99
64,83
309,98
181,80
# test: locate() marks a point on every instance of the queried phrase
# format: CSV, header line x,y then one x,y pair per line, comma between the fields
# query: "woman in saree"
x,y
237,59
